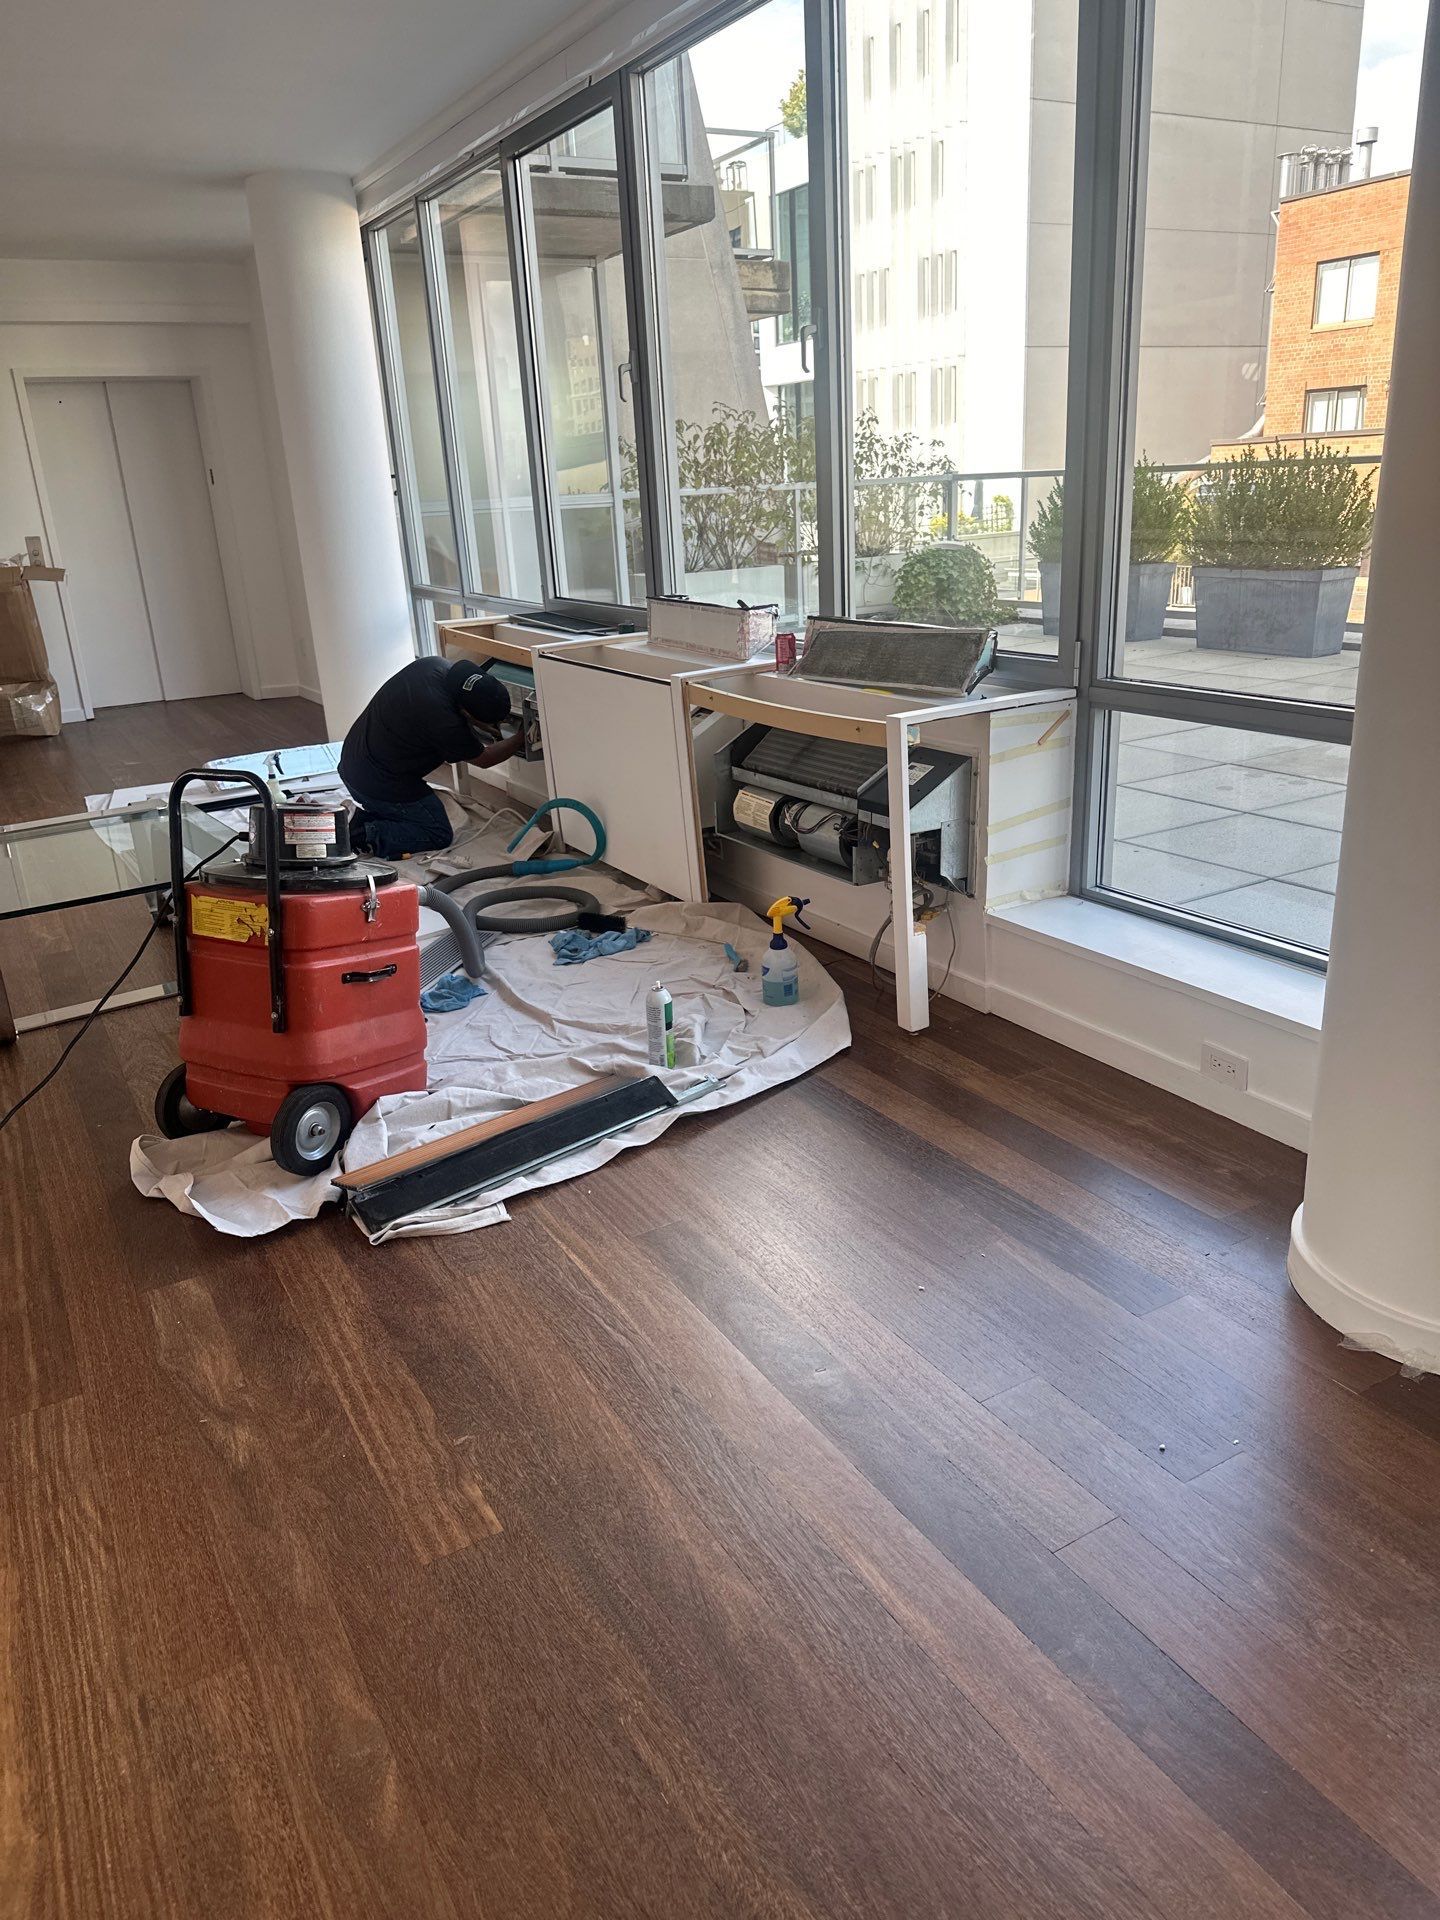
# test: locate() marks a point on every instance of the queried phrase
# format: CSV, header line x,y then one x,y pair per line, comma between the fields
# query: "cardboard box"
x,y
22,644
29,709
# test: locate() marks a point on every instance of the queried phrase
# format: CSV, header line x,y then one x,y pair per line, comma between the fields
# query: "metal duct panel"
x,y
882,653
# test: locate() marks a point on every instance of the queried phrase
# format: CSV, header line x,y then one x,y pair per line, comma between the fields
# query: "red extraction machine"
x,y
298,968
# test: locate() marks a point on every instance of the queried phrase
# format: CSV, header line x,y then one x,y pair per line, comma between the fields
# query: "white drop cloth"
x,y
540,1029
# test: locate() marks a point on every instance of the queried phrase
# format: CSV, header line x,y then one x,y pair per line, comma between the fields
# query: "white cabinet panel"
x,y
610,740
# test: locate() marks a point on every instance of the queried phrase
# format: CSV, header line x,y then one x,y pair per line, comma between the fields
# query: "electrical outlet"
x,y
1230,1069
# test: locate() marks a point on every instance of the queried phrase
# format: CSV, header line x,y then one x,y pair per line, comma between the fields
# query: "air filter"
x,y
882,653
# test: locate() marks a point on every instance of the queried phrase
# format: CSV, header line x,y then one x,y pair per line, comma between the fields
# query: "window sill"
x,y
1235,978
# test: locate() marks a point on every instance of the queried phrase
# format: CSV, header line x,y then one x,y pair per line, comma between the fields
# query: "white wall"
x,y
158,320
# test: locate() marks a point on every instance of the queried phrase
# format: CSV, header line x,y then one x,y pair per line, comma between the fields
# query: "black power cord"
x,y
114,987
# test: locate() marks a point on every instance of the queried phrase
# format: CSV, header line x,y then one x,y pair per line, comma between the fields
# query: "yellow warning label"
x,y
216,918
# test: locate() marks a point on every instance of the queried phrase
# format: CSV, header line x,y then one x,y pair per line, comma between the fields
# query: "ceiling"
x,y
126,131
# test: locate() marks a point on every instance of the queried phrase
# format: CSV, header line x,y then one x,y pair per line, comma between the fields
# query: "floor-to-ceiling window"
x,y
961,169
571,189
476,313
1272,179
1074,319
729,179
422,486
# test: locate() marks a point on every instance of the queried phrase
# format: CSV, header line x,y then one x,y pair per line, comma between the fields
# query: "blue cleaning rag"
x,y
450,993
572,946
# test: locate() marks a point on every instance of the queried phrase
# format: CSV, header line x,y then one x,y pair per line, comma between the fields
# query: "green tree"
x,y
792,108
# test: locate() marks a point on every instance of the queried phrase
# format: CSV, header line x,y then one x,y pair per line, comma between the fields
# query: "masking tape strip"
x,y
993,901
1019,753
1019,853
1028,716
1035,813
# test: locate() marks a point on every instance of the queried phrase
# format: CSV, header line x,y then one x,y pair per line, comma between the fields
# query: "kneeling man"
x,y
428,714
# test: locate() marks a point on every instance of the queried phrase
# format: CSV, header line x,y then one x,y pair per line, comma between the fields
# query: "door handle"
x,y
805,336
624,381
363,979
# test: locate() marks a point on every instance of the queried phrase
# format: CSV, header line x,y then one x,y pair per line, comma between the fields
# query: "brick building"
x,y
1332,319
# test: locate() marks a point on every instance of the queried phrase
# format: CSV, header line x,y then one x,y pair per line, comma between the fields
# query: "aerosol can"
x,y
780,975
660,1026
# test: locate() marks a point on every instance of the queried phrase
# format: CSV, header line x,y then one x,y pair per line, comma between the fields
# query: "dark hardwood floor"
x,y
913,1493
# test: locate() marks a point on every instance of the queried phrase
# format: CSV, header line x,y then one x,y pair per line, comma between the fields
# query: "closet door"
x,y
93,540
168,490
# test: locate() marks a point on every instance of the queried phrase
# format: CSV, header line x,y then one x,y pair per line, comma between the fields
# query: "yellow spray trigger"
x,y
779,911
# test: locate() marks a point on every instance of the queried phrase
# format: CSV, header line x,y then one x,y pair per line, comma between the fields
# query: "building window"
x,y
867,65
922,43
897,53
902,399
942,396
937,169
1334,409
1345,290
902,180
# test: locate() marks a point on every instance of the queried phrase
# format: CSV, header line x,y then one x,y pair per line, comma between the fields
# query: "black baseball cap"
x,y
478,694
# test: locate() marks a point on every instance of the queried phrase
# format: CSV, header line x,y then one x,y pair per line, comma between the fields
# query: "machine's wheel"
x,y
174,1114
310,1127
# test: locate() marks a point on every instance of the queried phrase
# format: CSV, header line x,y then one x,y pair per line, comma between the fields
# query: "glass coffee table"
x,y
79,859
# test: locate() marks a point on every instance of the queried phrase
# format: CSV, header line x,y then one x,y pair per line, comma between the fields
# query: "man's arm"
x,y
505,748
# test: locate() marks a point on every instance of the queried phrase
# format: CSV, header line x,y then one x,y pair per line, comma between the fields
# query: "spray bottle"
x,y
780,975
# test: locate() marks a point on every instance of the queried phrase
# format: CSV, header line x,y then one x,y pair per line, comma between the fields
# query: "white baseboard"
x,y
310,693
1369,1323
1274,1118
71,714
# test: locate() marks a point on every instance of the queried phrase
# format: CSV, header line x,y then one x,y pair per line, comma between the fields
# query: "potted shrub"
x,y
1046,535
1277,544
1159,524
949,586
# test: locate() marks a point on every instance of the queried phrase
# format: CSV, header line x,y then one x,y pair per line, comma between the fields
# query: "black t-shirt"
x,y
412,726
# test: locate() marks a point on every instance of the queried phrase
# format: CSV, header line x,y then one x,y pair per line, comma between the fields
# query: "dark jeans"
x,y
390,829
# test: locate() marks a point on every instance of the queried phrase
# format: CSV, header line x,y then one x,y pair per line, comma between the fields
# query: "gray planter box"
x,y
1297,612
1147,598
1050,597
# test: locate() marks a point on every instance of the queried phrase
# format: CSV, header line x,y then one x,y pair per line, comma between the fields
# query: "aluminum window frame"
x,y
1113,155
404,481
1114,63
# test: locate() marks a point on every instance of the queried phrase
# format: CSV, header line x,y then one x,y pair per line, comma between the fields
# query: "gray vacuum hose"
x,y
480,911
472,955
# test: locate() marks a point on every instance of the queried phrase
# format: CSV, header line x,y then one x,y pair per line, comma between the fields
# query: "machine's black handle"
x,y
363,979
271,838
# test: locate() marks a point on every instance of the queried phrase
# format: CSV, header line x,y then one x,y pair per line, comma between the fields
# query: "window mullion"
x,y
1111,134
830,257
520,240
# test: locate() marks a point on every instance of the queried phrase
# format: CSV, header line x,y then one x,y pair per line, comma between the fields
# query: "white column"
x,y
1365,1246
311,268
